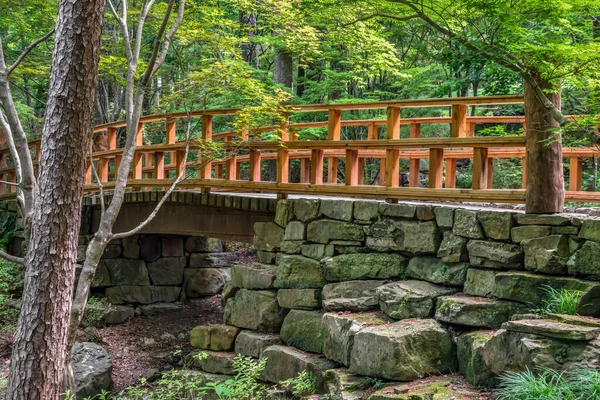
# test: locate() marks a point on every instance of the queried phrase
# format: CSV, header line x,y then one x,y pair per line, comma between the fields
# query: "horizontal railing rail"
x,y
320,159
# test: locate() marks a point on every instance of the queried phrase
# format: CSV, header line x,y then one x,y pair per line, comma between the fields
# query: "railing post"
x,y
414,169
137,157
361,171
88,172
254,169
480,168
575,175
171,135
392,168
111,134
458,128
12,178
316,170
524,164
490,172
283,157
304,170
231,163
180,163
103,170
351,167
436,163
159,165
206,165
333,133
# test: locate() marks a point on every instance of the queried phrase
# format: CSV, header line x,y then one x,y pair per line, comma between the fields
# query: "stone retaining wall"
x,y
403,291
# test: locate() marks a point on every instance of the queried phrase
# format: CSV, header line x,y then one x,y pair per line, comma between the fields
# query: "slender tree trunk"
x,y
283,68
545,180
39,351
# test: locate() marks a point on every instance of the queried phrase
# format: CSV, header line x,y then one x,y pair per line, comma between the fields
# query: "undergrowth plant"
x,y
9,283
302,385
559,301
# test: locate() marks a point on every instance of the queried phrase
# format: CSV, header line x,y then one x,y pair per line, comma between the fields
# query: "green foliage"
x,y
577,384
559,301
8,227
9,283
95,311
302,385
585,383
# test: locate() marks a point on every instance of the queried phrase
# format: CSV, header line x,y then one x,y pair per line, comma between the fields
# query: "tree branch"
x,y
27,50
11,258
382,15
168,38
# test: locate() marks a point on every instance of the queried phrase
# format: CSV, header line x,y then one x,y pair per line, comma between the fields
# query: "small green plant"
x,y
302,385
94,312
585,383
526,385
9,283
559,301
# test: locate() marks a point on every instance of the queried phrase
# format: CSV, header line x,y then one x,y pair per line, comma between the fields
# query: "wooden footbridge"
x,y
153,164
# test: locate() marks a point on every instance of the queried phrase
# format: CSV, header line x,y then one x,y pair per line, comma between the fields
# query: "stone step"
x,y
567,319
303,330
217,337
344,385
253,276
351,296
254,309
435,388
471,363
410,299
302,299
405,350
478,312
212,362
287,362
253,344
553,329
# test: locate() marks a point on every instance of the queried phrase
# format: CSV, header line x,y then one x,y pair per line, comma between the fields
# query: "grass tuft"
x,y
559,301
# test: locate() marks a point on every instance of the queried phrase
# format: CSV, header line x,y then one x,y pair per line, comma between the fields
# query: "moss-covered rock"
x,y
214,337
488,254
306,209
434,270
521,233
349,267
547,255
419,237
478,312
325,230
586,260
471,364
351,296
253,344
467,225
254,309
337,209
479,282
211,361
302,299
303,330
297,272
496,224
267,236
253,276
453,248
410,299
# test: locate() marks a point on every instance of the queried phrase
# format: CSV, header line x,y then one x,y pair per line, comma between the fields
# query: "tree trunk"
x,y
545,180
39,351
283,68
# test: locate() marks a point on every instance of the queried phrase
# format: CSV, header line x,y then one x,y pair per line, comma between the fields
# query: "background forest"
x,y
260,53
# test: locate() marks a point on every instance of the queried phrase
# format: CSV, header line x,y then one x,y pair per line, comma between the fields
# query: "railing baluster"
x,y
159,165
304,170
316,167
137,158
480,166
231,163
436,163
103,170
361,171
254,169
206,166
524,164
414,169
351,167
490,172
392,168
575,174
334,129
458,128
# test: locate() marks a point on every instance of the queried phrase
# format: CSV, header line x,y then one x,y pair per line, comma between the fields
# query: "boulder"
x,y
543,219
267,236
172,247
150,247
295,230
401,210
199,282
366,211
126,272
303,330
297,272
553,329
383,351
253,344
159,308
142,294
337,209
303,299
444,217
93,369
496,224
479,282
478,312
467,225
339,331
348,267
529,289
419,237
495,254
521,233
434,270
469,351
286,363
212,260
202,244
254,309
325,230
410,299
211,361
167,271
317,251
351,296
306,210
453,248
547,254
586,260
253,276
214,337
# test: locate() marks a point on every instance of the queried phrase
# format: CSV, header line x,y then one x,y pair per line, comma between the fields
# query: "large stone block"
x,y
553,329
467,225
126,272
521,233
410,299
529,289
112,250
254,309
469,350
167,271
159,308
351,296
284,212
267,236
150,247
202,244
317,251
453,248
444,217
295,230
302,299
590,230
496,224
291,246
366,211
337,209
543,219
131,247
479,312
253,276
398,210
339,331
349,267
253,344
419,237
286,363
172,247
479,282
383,351
297,272
306,209
199,282
325,230
434,270
303,330
547,255
101,277
142,294
212,260
211,361
214,337
495,254
586,260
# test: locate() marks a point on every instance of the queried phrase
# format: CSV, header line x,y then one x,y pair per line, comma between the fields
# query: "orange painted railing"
x,y
149,169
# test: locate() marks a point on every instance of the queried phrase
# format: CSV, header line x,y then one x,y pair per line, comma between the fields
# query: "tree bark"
x,y
283,68
545,179
39,351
